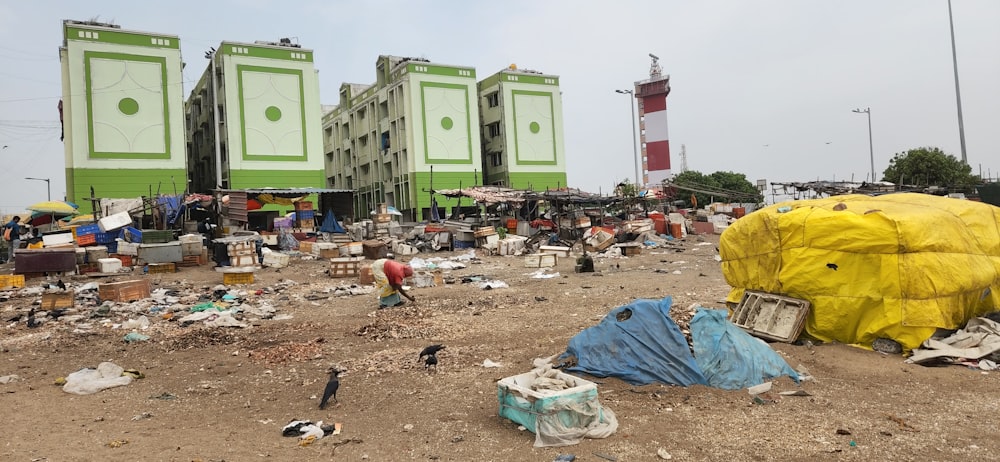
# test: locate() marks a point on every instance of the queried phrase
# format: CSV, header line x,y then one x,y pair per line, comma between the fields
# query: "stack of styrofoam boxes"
x,y
242,254
275,259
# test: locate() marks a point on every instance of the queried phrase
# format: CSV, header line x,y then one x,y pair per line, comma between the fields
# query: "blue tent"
x,y
637,343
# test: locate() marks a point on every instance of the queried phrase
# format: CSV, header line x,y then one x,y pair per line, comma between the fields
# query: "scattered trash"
x,y
135,337
841,431
564,458
164,396
488,364
488,285
143,416
14,378
90,381
117,443
407,427
663,454
794,393
606,456
762,388
543,274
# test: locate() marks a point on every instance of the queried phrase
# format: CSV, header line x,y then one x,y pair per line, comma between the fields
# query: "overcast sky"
x,y
762,87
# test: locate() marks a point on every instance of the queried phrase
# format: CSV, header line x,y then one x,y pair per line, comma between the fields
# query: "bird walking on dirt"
x,y
431,350
61,285
331,388
32,323
432,360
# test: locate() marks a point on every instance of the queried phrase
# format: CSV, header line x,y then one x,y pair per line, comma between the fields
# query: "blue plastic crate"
x,y
86,230
131,234
106,238
305,214
112,246
464,244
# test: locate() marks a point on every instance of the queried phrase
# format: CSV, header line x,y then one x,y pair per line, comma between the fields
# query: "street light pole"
x,y
48,185
635,146
958,94
871,150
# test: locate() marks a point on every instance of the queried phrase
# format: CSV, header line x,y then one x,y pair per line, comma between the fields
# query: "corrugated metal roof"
x,y
288,191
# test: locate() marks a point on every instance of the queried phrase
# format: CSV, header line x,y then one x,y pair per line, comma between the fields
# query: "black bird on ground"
x,y
31,320
60,285
56,313
331,388
431,360
431,350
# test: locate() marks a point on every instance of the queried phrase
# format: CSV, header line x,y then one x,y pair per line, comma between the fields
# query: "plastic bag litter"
x,y
90,381
486,285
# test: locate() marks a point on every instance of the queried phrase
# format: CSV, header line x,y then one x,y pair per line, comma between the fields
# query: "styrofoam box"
x,y
191,248
110,265
52,240
519,403
190,238
128,248
113,222
540,260
275,260
556,249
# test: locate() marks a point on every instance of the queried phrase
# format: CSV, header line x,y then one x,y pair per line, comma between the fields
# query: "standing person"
x,y
12,234
389,275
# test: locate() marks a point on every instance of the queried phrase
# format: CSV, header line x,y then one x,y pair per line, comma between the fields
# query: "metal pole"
x,y
48,188
958,93
215,116
871,149
635,145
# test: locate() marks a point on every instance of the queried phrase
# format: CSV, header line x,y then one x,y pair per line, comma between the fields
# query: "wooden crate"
x,y
329,253
485,231
306,247
237,278
158,268
125,291
345,267
11,281
55,301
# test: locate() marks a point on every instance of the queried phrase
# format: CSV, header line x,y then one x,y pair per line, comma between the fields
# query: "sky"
x,y
765,88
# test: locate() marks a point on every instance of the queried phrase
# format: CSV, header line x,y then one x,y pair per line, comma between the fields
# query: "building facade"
x,y
122,110
253,119
414,130
651,95
522,130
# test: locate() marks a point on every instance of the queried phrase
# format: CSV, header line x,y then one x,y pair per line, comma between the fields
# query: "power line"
x,y
39,98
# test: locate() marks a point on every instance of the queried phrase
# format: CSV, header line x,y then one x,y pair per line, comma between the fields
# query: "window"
x,y
494,129
496,159
493,99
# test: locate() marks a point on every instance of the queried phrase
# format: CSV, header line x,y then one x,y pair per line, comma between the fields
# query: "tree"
x,y
734,185
928,166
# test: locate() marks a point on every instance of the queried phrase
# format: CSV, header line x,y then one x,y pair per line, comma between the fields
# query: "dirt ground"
x,y
214,394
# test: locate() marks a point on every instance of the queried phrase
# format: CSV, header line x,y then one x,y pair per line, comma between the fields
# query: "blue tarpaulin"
x,y
731,358
330,224
637,343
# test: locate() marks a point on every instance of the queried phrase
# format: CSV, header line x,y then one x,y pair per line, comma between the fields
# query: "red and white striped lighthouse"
x,y
652,100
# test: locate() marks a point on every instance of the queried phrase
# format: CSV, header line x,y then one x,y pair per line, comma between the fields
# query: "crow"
x,y
832,266
61,285
431,350
55,314
31,320
331,388
431,360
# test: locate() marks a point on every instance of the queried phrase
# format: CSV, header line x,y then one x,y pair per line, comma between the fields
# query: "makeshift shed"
x,y
896,266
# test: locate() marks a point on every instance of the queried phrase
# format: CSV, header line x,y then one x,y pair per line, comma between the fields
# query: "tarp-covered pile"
x,y
640,344
897,266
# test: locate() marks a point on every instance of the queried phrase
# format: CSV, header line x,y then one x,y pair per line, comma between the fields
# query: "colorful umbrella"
x,y
53,207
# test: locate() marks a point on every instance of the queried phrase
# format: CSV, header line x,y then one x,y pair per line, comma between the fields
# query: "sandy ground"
x,y
231,390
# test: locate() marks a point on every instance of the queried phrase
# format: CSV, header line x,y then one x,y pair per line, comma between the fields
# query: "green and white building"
x,y
415,129
522,130
261,128
122,105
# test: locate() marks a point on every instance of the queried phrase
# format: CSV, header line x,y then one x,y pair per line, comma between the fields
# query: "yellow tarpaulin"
x,y
897,266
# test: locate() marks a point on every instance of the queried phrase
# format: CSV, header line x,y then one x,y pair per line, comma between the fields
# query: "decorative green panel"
x,y
128,120
440,112
448,71
533,121
121,183
269,107
537,181
286,53
420,183
86,34
239,179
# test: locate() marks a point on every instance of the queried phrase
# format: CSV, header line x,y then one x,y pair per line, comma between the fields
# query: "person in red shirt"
x,y
389,275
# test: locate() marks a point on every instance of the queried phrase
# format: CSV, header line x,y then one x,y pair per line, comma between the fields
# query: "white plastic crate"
x,y
769,316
